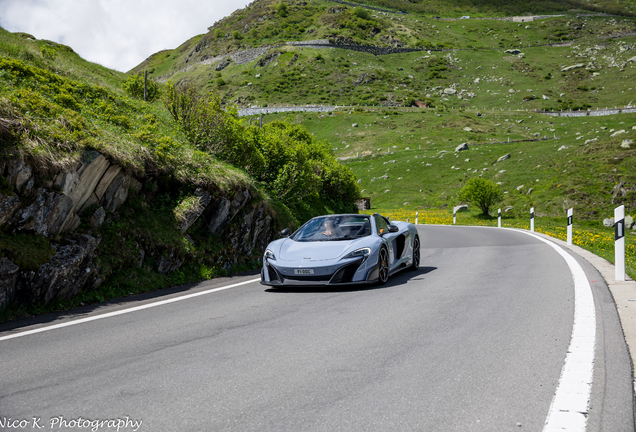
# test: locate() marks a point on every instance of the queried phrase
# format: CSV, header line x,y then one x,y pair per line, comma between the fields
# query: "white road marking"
x,y
125,311
569,408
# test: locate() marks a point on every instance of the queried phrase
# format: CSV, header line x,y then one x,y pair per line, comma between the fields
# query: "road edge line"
x,y
570,404
124,311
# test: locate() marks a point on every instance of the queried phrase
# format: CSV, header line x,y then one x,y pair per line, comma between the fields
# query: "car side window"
x,y
381,225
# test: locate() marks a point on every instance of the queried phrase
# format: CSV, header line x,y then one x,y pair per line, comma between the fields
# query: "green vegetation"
x,y
134,87
406,157
54,106
483,193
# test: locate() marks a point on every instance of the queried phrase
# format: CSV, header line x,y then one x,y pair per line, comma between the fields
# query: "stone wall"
x,y
368,7
273,110
94,189
591,113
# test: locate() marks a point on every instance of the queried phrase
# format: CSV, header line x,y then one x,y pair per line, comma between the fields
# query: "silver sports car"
x,y
341,249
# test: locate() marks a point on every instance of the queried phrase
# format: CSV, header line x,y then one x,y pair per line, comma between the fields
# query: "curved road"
x,y
473,341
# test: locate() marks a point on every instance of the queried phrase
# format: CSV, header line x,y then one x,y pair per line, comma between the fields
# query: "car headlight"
x,y
269,254
359,253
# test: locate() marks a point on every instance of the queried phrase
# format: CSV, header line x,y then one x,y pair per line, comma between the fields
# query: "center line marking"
x,y
125,311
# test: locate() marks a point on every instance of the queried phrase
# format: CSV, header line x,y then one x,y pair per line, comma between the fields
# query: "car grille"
x,y
319,278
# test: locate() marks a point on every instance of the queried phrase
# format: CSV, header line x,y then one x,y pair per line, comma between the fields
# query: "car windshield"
x,y
334,228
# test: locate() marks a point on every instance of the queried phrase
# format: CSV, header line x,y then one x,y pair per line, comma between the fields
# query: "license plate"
x,y
303,271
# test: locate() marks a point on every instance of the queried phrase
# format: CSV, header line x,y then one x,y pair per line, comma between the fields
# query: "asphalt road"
x,y
473,341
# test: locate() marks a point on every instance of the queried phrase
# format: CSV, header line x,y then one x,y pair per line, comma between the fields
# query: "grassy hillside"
x,y
407,159
477,93
55,106
295,75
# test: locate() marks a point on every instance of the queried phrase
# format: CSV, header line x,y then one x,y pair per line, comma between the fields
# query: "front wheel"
x,y
383,266
416,254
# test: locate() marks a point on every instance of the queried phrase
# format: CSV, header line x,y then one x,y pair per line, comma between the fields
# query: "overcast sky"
x,y
118,34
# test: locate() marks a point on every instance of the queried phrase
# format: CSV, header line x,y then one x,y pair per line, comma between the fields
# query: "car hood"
x,y
291,250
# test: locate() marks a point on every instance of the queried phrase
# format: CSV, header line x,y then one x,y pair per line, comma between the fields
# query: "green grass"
x,y
424,171
340,77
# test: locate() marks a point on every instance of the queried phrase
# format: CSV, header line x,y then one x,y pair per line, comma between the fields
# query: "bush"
x,y
134,86
362,13
282,156
282,10
482,193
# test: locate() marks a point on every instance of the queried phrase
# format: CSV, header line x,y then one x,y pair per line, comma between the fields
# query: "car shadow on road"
x,y
397,279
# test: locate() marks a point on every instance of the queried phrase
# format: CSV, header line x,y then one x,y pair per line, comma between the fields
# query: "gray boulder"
x,y
608,222
68,271
629,222
8,207
117,192
18,174
504,157
47,215
8,278
97,219
80,183
569,68
221,213
460,208
192,214
168,263
461,147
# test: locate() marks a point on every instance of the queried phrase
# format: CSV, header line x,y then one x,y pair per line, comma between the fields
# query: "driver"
x,y
331,230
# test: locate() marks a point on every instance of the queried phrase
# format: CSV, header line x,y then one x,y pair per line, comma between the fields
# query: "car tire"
x,y
383,266
415,265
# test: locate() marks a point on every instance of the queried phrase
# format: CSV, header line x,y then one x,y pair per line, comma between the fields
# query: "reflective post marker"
x,y
570,226
454,216
499,218
416,213
532,219
619,243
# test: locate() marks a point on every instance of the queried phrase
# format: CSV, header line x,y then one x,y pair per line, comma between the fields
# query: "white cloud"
x,y
118,34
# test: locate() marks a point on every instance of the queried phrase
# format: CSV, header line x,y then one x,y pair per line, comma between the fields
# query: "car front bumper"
x,y
353,272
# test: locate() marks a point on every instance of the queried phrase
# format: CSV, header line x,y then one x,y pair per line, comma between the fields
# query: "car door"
x,y
382,226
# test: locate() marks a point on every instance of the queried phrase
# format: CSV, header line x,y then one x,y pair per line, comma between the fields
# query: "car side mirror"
x,y
284,233
393,229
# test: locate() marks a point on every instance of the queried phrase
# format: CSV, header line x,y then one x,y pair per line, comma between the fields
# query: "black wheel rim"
x,y
416,253
384,266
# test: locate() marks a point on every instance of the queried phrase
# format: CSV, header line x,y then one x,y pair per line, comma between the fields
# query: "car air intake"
x,y
345,274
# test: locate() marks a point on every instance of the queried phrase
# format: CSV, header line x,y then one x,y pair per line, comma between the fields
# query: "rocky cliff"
x,y
73,205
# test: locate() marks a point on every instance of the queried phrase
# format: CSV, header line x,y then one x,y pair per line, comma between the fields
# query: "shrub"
x,y
482,193
362,13
134,87
49,53
282,10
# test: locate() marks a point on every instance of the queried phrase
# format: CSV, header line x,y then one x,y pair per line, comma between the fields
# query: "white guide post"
x,y
454,216
416,214
619,243
532,219
570,211
499,218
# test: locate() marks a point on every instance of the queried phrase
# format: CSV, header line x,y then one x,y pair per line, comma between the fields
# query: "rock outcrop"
x,y
96,189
